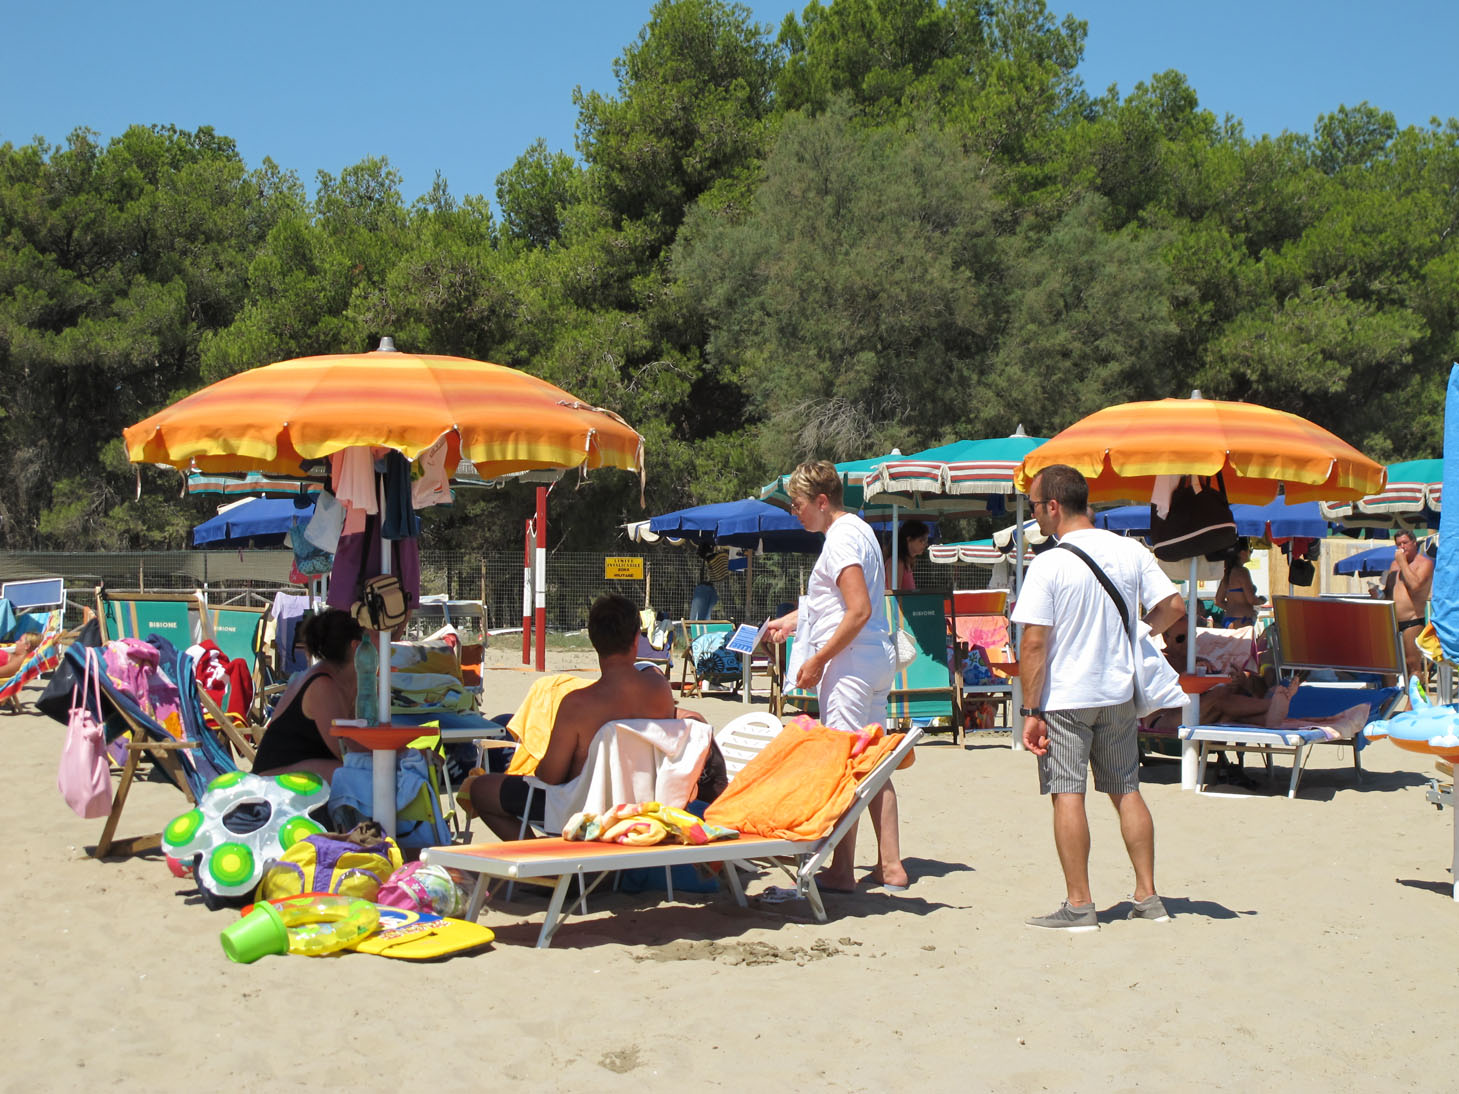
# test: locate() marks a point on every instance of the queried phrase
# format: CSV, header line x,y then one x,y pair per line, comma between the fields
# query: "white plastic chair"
x,y
743,738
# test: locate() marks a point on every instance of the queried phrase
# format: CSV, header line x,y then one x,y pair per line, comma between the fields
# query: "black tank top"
x,y
292,736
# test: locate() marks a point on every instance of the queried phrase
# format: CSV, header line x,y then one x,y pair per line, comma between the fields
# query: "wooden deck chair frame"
x,y
964,607
782,691
238,631
689,630
120,626
150,741
663,660
925,688
565,860
147,740
1355,634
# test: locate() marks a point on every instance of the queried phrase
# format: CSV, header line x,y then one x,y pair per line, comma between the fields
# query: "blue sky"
x,y
464,86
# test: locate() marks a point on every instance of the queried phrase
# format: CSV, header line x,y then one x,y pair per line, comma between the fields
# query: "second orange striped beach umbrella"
x,y
1122,449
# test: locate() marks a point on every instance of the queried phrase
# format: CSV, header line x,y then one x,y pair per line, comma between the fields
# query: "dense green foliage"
x,y
887,222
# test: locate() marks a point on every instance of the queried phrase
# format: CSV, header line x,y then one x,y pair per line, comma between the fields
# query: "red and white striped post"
x,y
527,594
541,574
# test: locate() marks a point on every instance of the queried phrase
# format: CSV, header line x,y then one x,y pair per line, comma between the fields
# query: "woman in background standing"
x,y
1236,595
912,537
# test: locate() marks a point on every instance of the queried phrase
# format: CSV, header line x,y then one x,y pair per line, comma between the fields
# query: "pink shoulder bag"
x,y
84,778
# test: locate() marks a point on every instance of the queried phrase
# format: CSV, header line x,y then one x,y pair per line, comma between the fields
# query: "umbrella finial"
x,y
1019,431
387,345
1196,393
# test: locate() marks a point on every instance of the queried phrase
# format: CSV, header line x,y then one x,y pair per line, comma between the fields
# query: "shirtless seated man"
x,y
622,692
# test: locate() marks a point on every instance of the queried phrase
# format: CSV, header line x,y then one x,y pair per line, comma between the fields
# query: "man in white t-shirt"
x,y
1077,668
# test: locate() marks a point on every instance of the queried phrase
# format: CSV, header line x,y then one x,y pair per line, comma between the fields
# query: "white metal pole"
x,y
1018,543
894,578
1017,681
540,568
1190,750
749,587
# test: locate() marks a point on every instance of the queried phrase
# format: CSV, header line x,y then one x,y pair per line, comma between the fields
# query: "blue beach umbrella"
x,y
1276,520
747,523
257,522
1369,563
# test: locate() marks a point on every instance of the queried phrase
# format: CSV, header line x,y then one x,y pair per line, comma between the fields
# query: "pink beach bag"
x,y
84,777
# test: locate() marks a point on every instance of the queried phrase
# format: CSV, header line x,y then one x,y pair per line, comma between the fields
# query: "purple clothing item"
x,y
357,559
134,667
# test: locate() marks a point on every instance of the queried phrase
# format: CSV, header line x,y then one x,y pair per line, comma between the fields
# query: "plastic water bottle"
x,y
367,691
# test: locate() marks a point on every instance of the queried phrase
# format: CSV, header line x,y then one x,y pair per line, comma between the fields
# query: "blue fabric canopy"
x,y
1285,521
745,523
258,522
1369,563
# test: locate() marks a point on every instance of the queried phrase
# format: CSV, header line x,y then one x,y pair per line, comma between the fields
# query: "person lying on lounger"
x,y
621,692
13,658
1246,700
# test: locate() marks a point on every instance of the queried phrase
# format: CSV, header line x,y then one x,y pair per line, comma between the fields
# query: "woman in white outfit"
x,y
849,656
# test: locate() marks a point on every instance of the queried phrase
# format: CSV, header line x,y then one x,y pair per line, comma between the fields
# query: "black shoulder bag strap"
x,y
1109,586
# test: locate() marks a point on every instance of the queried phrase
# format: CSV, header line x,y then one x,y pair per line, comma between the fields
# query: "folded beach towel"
x,y
532,724
800,784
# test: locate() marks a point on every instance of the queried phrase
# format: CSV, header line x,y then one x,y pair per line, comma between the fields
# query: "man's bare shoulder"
x,y
626,695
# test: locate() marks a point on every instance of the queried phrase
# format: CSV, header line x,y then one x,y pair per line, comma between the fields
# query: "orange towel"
x,y
532,724
799,785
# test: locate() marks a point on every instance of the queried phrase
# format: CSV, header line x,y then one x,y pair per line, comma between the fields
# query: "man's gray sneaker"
x,y
1069,917
1151,908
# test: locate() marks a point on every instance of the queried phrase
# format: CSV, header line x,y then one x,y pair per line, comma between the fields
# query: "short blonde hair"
x,y
814,478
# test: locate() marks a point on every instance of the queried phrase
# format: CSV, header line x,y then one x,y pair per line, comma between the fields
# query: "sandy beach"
x,y
1314,944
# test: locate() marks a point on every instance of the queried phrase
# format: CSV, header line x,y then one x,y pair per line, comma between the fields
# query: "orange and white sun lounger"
x,y
565,860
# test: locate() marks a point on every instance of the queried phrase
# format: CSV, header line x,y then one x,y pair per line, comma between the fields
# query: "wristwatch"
x,y
1030,712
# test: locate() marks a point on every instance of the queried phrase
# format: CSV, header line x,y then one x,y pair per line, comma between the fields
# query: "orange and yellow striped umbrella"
x,y
272,418
1122,449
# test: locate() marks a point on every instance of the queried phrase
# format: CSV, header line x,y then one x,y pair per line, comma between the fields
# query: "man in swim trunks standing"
x,y
1407,583
622,692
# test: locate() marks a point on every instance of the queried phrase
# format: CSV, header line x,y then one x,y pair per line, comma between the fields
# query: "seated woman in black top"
x,y
297,737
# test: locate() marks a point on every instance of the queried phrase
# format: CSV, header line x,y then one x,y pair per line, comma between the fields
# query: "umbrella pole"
x,y
527,594
1017,681
895,582
383,782
1192,602
1018,546
541,589
1190,750
745,697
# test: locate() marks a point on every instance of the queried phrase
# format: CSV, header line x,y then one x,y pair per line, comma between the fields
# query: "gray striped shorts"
x,y
1104,738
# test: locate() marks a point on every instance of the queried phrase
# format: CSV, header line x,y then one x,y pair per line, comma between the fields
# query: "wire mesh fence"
x,y
574,580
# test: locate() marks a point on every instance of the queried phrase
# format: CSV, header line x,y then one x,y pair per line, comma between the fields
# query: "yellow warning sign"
x,y
626,568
